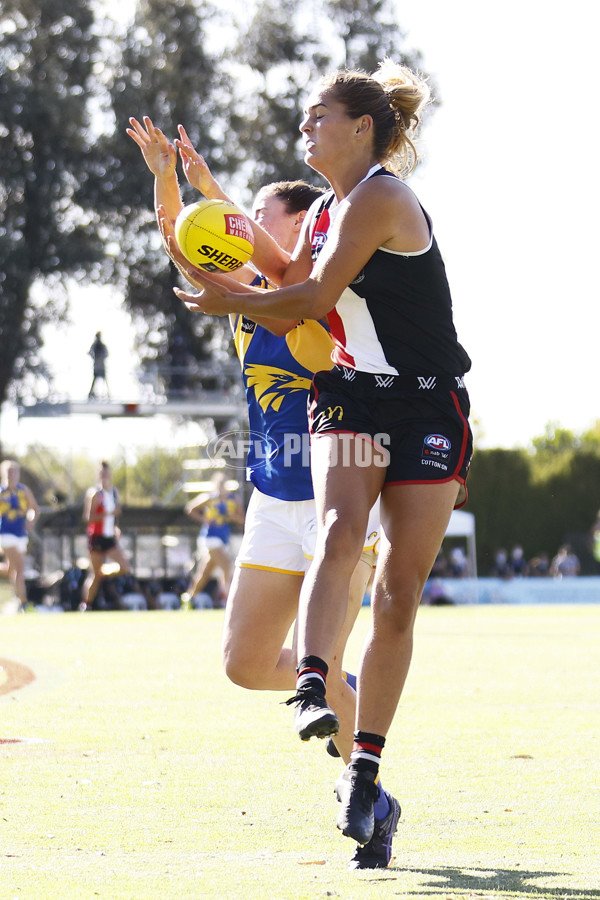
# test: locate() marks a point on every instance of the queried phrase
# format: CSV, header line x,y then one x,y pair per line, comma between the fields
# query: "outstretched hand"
x,y
219,294
214,299
159,154
195,168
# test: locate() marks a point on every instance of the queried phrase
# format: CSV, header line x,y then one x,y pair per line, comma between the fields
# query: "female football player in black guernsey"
x,y
390,417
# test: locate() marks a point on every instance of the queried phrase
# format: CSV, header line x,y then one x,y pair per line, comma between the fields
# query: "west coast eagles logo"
x,y
272,385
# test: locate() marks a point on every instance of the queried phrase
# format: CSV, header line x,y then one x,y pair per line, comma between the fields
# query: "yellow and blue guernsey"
x,y
277,374
13,511
219,513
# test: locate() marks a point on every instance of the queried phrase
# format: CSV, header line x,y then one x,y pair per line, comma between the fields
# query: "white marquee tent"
x,y
462,524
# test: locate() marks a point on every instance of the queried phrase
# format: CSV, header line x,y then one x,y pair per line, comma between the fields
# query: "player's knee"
x,y
340,537
395,606
242,676
239,668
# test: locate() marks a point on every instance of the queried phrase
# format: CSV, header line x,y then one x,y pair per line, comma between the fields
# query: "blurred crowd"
x,y
128,592
564,564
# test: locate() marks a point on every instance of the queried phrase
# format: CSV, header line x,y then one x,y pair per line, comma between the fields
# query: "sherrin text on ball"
x,y
214,235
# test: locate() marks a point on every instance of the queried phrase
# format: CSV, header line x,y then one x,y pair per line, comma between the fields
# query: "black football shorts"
x,y
420,421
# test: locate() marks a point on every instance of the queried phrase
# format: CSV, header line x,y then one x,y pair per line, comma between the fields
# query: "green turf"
x,y
142,773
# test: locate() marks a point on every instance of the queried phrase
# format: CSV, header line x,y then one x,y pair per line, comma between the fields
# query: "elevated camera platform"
x,y
219,408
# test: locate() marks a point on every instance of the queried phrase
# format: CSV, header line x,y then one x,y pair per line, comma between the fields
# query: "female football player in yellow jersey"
x,y
216,511
18,512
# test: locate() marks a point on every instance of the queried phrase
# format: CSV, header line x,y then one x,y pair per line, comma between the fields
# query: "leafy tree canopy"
x,y
76,195
48,56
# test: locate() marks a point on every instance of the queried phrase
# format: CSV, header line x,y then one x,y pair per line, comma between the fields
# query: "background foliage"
x,y
76,198
48,226
540,498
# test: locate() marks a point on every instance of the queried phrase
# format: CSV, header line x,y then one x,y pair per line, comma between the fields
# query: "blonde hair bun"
x,y
409,93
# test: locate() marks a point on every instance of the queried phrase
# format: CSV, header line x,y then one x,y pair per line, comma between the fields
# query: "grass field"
x,y
131,768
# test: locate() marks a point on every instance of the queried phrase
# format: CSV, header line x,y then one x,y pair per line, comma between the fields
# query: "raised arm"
x,y
268,257
161,158
239,280
196,169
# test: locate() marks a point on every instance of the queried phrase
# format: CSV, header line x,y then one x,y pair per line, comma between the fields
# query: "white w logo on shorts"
x,y
384,382
426,384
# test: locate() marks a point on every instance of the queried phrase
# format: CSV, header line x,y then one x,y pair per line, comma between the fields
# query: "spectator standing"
x,y
458,563
98,351
539,566
179,365
71,586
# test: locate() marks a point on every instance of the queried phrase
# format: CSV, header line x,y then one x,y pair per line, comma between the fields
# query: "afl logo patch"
x,y
318,241
437,442
436,452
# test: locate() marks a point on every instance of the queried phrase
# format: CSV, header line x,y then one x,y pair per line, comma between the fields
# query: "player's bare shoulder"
x,y
385,192
398,207
378,208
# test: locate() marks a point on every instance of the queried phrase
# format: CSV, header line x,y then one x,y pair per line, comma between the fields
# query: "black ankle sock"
x,y
366,752
311,673
363,765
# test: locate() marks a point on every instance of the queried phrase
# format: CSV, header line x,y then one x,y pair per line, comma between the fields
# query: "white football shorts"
x,y
273,533
209,543
14,540
279,535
